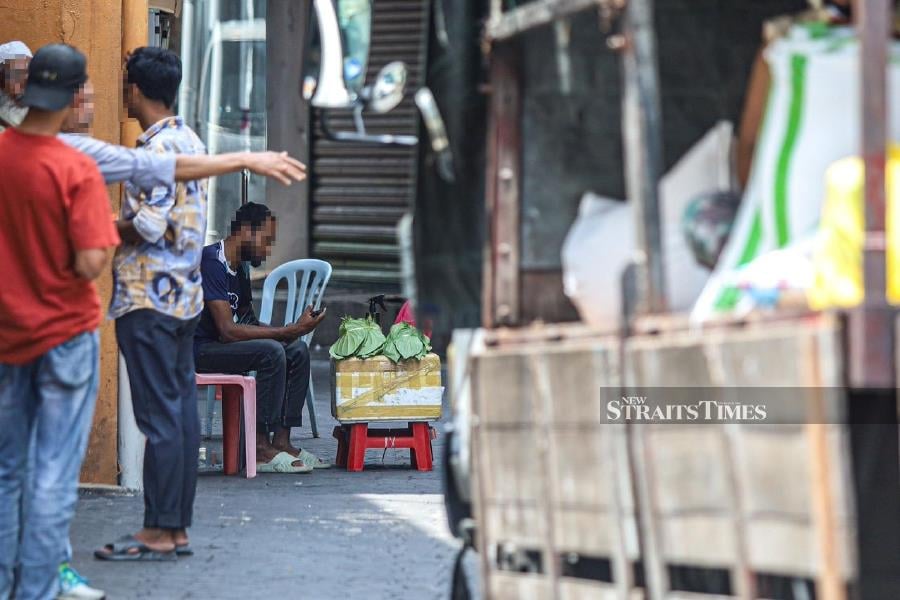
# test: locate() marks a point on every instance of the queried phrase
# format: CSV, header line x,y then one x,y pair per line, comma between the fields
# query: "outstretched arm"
x,y
147,169
277,165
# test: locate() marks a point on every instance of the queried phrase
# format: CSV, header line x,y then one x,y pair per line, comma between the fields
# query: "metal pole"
x,y
872,410
642,138
871,326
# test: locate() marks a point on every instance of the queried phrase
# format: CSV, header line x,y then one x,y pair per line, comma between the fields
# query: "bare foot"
x,y
160,540
157,540
265,453
282,441
180,537
287,448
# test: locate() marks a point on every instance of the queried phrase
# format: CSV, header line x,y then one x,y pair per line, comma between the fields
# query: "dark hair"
x,y
253,214
156,72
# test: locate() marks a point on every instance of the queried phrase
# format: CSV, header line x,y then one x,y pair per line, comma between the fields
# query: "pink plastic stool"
x,y
236,389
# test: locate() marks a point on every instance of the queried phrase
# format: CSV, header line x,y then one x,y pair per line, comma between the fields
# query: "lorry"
x,y
531,104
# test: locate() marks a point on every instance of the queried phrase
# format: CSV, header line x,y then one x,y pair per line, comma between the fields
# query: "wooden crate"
x,y
554,477
548,468
751,498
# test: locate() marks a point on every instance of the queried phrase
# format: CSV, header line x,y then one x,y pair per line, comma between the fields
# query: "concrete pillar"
x,y
135,33
288,122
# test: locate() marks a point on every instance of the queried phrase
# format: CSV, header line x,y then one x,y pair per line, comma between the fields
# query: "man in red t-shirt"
x,y
56,230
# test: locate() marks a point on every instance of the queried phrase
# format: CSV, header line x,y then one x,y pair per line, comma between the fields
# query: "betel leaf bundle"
x,y
360,338
405,342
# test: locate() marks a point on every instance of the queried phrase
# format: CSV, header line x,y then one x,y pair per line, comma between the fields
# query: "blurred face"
x,y
81,117
256,243
15,75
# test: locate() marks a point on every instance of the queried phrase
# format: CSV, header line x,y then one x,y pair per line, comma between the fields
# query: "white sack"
x,y
812,119
602,240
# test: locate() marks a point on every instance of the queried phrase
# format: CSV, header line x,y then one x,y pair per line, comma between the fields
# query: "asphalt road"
x,y
378,534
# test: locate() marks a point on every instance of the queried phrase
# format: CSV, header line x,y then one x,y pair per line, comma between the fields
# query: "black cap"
x,y
54,75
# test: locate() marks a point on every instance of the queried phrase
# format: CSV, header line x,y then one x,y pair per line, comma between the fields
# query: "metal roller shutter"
x,y
359,192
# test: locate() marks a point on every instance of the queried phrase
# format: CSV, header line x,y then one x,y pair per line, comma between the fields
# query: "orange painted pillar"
x,y
95,28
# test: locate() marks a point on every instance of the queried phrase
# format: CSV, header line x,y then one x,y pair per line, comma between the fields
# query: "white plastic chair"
x,y
306,282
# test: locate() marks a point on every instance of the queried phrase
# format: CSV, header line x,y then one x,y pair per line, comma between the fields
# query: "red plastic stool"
x,y
236,390
354,440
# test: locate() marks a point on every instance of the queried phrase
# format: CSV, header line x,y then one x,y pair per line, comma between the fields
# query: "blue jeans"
x,y
51,398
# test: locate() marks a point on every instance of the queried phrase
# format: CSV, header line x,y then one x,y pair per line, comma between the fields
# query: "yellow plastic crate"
x,y
376,389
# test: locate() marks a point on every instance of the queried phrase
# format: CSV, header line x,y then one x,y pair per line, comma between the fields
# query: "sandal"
x,y
183,550
283,463
311,460
124,550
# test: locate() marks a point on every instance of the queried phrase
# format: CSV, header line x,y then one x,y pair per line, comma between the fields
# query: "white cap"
x,y
13,49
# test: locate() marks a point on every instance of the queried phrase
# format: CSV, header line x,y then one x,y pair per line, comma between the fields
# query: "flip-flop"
x,y
311,460
122,550
283,463
184,550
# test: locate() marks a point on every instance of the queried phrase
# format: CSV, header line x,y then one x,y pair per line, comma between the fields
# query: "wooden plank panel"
x,y
688,469
574,589
519,586
771,524
584,531
595,367
524,398
702,539
513,465
519,524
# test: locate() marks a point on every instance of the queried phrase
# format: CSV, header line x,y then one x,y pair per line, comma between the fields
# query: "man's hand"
x,y
307,322
277,165
128,233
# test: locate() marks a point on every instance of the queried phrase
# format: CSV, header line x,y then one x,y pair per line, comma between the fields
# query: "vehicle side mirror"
x,y
334,78
337,57
324,85
339,40
387,91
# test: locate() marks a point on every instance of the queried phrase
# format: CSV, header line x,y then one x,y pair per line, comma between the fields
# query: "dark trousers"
x,y
282,375
158,350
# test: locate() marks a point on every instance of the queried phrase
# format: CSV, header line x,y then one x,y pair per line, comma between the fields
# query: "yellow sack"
x,y
837,259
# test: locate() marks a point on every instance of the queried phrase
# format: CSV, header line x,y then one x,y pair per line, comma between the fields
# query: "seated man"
x,y
277,354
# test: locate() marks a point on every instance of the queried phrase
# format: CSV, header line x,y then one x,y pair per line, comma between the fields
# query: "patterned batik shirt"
x,y
162,273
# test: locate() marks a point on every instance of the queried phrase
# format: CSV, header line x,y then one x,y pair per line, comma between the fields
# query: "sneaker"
x,y
72,586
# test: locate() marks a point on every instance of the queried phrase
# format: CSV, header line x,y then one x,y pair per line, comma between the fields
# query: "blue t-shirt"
x,y
220,282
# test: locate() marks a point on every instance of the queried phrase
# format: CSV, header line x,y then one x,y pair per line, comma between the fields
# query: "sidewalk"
x,y
329,534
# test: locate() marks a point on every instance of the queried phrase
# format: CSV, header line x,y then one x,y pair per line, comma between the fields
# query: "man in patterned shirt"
x,y
157,300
